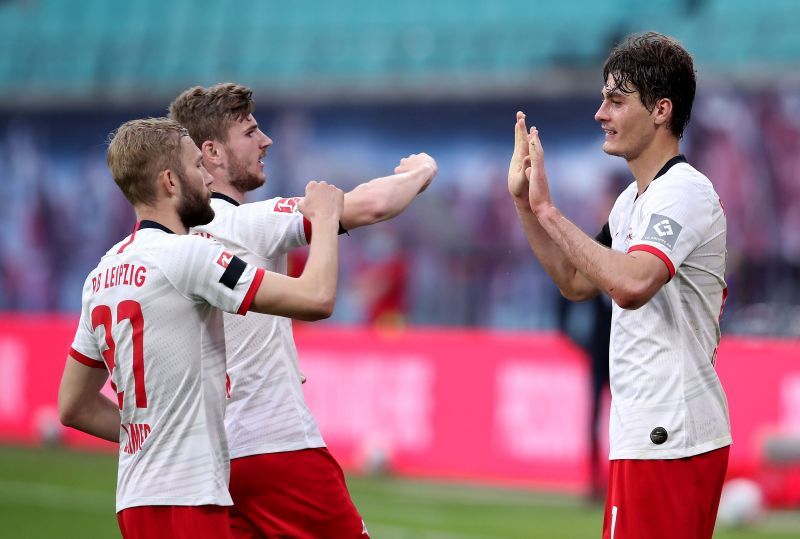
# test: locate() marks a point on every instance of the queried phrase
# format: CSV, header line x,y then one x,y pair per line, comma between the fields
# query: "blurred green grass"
x,y
54,493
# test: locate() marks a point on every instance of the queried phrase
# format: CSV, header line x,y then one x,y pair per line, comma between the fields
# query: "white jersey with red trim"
x,y
667,401
266,412
151,316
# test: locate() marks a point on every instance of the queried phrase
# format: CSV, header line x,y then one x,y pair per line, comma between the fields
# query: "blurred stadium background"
x,y
450,356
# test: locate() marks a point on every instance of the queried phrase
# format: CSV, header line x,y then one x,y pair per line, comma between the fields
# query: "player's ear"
x,y
213,152
167,182
662,112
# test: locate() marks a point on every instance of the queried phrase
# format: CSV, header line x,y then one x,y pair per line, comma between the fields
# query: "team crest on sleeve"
x,y
662,230
225,259
287,205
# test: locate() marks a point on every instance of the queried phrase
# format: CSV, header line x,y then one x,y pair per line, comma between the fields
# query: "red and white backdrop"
x,y
501,407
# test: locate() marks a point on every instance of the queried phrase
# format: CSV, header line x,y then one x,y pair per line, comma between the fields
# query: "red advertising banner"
x,y
467,404
500,407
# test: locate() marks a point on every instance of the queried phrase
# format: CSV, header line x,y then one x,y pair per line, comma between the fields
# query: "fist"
x,y
322,201
417,161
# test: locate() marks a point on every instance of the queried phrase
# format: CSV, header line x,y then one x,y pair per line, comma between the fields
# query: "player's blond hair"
x,y
139,150
209,112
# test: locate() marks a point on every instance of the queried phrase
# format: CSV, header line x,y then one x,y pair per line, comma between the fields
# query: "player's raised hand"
x,y
419,162
520,160
322,201
539,189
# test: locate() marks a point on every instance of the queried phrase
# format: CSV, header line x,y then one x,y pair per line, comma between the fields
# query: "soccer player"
x,y
661,259
152,318
284,482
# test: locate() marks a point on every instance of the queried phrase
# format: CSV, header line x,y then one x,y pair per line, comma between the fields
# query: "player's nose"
x,y
602,113
266,142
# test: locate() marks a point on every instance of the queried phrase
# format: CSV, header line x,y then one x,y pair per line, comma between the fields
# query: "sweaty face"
x,y
246,147
194,207
628,125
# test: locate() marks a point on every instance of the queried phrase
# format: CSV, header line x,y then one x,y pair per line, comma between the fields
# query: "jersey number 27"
x,y
132,311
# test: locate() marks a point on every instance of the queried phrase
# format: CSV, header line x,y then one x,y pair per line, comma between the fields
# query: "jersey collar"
x,y
680,158
152,224
226,198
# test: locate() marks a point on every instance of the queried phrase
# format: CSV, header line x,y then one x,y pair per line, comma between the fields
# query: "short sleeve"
x,y
204,271
673,219
85,348
268,228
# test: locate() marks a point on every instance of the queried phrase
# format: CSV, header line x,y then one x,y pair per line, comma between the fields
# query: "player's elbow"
x,y
575,295
577,289
325,308
320,308
69,414
631,296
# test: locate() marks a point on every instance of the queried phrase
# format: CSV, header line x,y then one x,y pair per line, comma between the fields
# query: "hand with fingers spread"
x,y
322,202
520,161
538,190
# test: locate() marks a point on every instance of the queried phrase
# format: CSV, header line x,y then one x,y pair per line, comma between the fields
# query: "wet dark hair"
x,y
658,67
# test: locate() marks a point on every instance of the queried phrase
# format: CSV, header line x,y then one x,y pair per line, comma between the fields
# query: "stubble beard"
x,y
241,179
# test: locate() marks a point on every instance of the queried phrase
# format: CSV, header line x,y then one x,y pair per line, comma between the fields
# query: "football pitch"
x,y
52,493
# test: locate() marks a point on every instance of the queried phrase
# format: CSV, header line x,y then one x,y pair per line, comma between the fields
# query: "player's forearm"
x,y
312,295
552,258
321,272
82,406
617,274
96,415
383,198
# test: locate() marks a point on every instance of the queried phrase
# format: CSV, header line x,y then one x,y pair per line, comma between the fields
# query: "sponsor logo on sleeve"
x,y
225,259
662,230
287,205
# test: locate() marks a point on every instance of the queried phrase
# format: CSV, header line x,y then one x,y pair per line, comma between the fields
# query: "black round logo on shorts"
x,y
659,435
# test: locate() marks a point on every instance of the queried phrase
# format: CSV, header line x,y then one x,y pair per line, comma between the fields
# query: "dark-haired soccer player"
x,y
151,317
284,481
661,257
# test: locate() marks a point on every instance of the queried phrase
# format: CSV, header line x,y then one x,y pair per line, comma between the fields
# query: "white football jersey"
x,y
151,316
667,401
266,412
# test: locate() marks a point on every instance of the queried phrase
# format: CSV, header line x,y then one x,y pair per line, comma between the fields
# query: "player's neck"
x,y
647,164
167,217
225,188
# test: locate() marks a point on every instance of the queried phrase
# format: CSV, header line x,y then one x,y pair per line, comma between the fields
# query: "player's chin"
x,y
612,149
261,177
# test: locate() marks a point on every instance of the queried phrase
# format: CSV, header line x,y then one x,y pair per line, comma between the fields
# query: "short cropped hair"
x,y
139,150
658,67
209,112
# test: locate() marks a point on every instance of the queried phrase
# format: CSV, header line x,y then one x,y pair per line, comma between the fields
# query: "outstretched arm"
x,y
312,295
572,284
82,406
383,198
631,279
